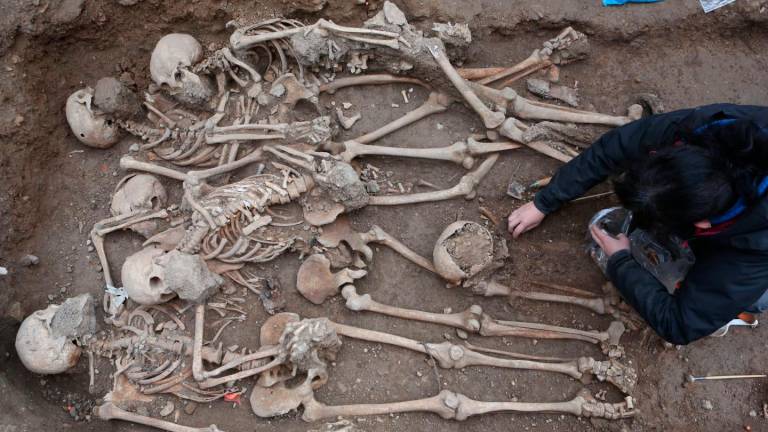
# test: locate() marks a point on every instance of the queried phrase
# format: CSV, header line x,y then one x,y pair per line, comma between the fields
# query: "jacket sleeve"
x,y
608,155
715,291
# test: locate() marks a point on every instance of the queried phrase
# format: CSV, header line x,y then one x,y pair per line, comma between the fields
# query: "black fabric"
x,y
731,269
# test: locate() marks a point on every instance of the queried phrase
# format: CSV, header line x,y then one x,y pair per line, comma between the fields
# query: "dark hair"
x,y
703,177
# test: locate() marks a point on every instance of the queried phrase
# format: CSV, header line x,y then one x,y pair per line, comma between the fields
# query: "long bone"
x,y
240,41
452,356
491,119
466,188
456,406
373,79
514,129
515,105
436,103
108,411
460,152
539,59
341,231
474,320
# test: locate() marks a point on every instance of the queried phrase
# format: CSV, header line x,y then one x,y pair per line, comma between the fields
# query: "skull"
x,y
170,65
463,250
139,192
91,128
45,341
152,276
143,279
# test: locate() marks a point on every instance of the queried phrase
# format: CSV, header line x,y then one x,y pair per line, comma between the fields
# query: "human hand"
x,y
609,244
524,219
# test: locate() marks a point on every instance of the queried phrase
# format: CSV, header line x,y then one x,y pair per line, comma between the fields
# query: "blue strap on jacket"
x,y
623,2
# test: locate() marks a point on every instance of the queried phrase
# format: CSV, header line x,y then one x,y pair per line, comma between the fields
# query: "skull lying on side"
x,y
463,250
170,65
139,193
152,276
45,341
92,128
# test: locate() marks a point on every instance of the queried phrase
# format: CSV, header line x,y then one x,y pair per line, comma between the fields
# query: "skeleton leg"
x,y
475,321
436,103
374,79
109,411
465,188
491,119
460,152
451,356
455,406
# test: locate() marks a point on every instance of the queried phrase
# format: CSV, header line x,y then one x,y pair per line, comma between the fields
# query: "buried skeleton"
x,y
213,116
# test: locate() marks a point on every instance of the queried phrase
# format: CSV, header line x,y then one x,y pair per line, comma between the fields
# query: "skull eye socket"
x,y
155,283
178,75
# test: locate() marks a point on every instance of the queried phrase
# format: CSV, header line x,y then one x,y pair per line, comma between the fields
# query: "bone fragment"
x,y
316,282
548,90
374,79
347,122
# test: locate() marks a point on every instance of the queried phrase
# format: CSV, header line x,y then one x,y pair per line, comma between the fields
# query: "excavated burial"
x,y
50,186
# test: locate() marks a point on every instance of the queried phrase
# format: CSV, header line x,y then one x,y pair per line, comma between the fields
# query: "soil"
x,y
55,189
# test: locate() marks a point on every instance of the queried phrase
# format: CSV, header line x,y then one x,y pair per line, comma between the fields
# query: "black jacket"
x,y
731,269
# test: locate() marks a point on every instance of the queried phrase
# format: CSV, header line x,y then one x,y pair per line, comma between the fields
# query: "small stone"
x,y
90,248
372,187
190,408
29,260
167,409
462,334
18,120
277,90
15,311
3,271
346,105
51,297
447,310
113,97
394,105
515,190
535,342
440,126
419,374
63,290
707,405
753,413
134,148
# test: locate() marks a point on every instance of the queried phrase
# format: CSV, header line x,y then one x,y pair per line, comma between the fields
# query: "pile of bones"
x,y
210,114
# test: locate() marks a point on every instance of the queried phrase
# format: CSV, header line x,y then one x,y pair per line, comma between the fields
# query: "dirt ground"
x,y
54,189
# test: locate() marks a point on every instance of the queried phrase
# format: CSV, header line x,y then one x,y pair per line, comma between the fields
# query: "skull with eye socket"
x,y
152,276
139,193
170,67
92,128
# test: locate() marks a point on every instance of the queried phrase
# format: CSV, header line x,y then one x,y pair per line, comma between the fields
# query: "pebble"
x,y
29,260
91,248
440,126
707,405
346,105
372,187
190,408
753,413
3,271
51,297
133,148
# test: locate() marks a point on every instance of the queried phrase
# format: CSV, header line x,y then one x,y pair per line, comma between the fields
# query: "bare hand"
x,y
524,219
609,244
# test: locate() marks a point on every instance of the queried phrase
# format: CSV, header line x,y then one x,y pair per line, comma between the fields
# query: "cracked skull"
x,y
139,193
46,339
91,128
153,276
170,65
